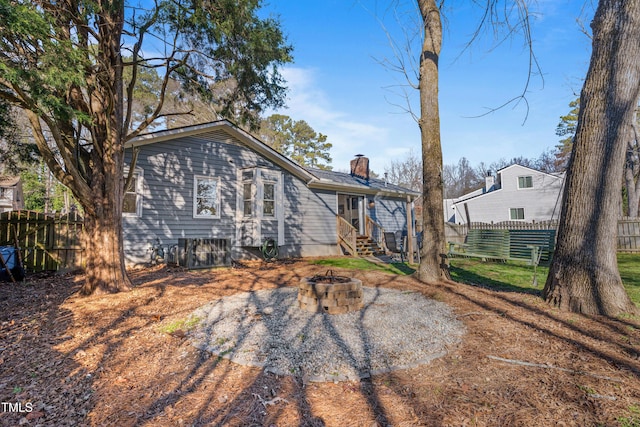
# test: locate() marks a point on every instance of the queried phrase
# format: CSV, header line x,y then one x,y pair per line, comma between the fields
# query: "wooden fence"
x,y
48,242
628,231
629,235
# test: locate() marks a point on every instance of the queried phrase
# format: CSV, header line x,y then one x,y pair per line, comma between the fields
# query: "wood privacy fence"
x,y
628,231
48,242
629,235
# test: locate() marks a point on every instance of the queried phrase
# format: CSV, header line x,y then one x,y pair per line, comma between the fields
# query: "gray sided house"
x,y
216,181
517,193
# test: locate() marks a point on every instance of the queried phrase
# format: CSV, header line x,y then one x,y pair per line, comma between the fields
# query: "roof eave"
x,y
335,186
232,130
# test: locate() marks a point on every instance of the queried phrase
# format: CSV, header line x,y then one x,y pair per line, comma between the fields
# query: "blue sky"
x,y
339,87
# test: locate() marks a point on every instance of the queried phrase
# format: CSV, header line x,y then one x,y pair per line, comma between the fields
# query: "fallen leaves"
x,y
106,361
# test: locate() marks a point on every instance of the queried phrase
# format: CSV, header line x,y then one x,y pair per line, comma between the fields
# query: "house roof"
x,y
9,181
231,129
314,178
517,165
481,193
345,181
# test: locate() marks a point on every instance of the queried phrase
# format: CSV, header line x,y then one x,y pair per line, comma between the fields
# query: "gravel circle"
x,y
395,330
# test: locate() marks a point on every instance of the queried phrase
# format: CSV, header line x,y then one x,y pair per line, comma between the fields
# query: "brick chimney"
x,y
360,167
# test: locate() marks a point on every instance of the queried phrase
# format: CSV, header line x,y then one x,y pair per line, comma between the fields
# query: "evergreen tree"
x,y
297,140
63,64
567,129
16,150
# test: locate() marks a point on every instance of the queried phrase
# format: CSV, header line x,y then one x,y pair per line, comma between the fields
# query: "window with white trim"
x,y
132,204
206,197
525,181
247,198
248,189
6,193
516,213
269,199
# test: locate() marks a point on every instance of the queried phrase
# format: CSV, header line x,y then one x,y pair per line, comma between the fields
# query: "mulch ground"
x,y
109,361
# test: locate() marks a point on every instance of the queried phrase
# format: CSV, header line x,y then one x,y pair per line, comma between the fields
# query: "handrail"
x,y
375,231
347,235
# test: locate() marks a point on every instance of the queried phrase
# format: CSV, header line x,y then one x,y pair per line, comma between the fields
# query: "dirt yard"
x,y
124,360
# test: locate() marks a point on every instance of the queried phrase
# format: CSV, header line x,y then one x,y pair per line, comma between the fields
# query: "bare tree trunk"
x,y
584,275
432,268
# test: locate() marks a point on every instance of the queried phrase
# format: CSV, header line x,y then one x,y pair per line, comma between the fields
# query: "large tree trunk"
x,y
584,274
103,247
103,240
432,268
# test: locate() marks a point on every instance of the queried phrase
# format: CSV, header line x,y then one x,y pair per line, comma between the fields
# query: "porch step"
x,y
365,246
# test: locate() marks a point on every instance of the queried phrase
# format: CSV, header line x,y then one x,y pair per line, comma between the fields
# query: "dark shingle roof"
x,y
373,184
9,181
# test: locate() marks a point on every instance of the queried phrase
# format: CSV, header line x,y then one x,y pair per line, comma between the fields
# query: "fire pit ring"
x,y
330,294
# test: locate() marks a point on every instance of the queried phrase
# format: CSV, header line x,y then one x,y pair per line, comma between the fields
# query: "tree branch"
x,y
539,365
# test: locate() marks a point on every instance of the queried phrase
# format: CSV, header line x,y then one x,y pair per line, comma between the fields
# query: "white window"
x,y
269,199
247,198
132,205
525,181
206,199
6,193
248,192
516,213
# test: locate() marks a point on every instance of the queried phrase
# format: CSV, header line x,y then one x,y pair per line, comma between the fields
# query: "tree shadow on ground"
x,y
44,385
403,267
470,278
141,375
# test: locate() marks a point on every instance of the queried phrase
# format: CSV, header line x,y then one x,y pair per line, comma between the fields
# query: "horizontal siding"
x,y
540,203
168,170
310,216
391,214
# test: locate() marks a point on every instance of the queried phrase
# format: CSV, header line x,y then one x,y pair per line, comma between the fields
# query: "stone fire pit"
x,y
330,294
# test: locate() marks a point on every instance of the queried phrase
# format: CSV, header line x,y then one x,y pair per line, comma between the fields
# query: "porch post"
x,y
409,231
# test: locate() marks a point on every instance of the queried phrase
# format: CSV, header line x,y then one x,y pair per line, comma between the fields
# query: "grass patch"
x,y
509,276
629,266
353,263
517,277
633,420
182,324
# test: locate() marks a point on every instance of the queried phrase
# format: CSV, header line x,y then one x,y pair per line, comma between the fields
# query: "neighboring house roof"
x,y
472,194
480,192
314,178
516,165
9,181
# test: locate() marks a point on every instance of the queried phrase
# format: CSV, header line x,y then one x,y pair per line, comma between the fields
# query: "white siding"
x,y
540,203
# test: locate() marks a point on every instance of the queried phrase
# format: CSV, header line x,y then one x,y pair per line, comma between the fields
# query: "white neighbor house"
x,y
517,193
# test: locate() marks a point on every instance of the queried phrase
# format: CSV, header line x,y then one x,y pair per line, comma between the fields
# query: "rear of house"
x,y
216,181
